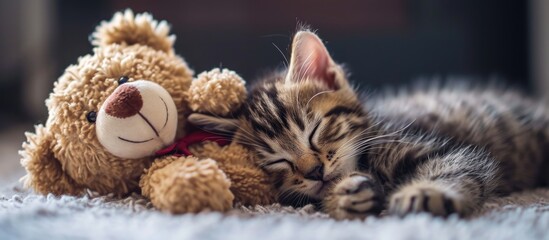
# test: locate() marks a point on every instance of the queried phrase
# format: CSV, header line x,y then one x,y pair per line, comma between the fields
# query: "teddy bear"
x,y
117,124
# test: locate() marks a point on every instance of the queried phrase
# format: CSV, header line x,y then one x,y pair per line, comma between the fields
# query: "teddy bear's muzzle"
x,y
125,102
136,120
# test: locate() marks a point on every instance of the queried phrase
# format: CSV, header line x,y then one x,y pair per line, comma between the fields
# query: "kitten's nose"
x,y
316,174
124,102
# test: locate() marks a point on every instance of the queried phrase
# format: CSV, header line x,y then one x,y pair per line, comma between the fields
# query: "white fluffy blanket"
x,y
24,215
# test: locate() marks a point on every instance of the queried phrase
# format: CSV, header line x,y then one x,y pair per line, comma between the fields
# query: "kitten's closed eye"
x,y
311,136
278,165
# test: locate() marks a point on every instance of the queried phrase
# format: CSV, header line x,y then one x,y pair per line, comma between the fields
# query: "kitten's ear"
x,y
214,124
310,60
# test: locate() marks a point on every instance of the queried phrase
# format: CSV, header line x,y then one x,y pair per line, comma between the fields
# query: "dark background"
x,y
384,42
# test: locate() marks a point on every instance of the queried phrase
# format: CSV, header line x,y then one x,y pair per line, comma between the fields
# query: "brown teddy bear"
x,y
113,114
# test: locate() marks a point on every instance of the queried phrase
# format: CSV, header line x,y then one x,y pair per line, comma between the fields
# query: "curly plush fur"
x,y
65,156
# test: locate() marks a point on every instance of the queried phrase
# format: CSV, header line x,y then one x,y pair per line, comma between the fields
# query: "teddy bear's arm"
x,y
44,172
249,184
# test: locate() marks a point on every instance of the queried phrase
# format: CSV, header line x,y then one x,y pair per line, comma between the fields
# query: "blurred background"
x,y
383,42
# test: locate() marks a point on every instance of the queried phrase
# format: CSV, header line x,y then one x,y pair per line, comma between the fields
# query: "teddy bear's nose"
x,y
124,102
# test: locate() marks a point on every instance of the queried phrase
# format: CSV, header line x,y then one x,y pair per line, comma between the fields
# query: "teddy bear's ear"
x,y
125,27
44,172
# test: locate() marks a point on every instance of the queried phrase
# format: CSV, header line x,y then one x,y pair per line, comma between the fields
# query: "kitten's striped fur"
x,y
439,150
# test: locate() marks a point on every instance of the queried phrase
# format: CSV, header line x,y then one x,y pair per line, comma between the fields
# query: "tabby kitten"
x,y
437,150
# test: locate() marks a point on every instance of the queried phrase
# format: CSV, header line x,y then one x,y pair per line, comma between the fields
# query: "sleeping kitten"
x,y
438,150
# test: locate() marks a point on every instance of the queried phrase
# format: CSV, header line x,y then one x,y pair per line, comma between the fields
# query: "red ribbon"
x,y
181,146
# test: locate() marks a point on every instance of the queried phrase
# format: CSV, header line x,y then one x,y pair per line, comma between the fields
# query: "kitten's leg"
x,y
355,196
455,183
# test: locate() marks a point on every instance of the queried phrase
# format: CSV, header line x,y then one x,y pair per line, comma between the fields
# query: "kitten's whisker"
x,y
369,144
377,142
300,199
227,135
310,99
369,149
285,193
248,137
286,62
389,134
355,143
232,123
289,195
363,132
361,148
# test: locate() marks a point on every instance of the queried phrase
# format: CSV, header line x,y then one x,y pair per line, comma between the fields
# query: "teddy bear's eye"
x,y
91,116
122,80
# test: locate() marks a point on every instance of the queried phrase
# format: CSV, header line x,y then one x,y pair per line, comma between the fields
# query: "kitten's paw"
x,y
356,196
426,198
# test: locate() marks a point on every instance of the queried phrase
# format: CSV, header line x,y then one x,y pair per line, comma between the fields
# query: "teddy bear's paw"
x,y
189,185
218,92
249,185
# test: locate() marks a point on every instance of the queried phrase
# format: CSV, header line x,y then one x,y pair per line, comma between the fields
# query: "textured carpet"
x,y
24,215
